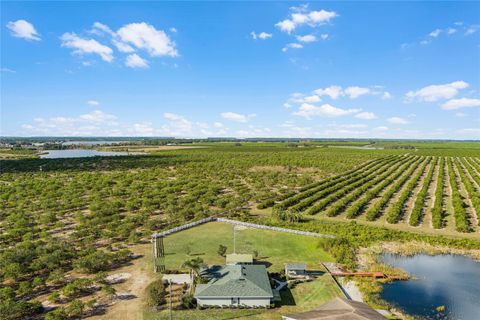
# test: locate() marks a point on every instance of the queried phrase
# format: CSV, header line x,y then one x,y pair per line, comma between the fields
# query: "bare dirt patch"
x,y
131,289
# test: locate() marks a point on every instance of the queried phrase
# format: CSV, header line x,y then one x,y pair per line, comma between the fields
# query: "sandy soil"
x,y
137,276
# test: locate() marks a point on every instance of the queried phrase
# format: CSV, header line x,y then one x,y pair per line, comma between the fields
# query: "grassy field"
x,y
274,248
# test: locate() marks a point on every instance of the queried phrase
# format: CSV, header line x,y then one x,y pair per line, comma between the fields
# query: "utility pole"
x,y
234,240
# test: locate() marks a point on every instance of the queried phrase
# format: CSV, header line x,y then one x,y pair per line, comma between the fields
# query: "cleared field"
x,y
416,191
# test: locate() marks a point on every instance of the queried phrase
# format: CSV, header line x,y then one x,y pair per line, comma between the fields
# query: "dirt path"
x,y
411,200
430,201
472,216
129,305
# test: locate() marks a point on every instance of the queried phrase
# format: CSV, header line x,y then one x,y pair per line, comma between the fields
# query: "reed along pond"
x,y
452,281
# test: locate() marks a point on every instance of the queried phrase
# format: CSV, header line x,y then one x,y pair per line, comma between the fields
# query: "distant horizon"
x,y
114,138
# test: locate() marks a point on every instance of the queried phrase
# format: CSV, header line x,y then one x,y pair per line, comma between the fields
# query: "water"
x,y
449,280
79,153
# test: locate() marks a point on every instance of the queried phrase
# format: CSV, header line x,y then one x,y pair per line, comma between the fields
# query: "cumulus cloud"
x,y
366,116
307,38
308,111
94,123
86,46
237,117
397,120
304,17
293,45
144,36
93,103
261,35
333,92
461,103
436,92
135,61
23,29
355,92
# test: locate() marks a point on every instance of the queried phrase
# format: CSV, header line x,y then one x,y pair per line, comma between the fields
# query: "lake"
x,y
80,153
452,281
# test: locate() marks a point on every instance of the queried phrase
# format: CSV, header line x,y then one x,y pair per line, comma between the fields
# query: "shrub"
x,y
155,293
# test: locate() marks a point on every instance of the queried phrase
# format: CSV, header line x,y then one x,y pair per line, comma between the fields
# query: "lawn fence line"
x,y
239,223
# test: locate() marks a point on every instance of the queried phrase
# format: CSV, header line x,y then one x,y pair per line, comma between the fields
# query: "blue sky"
x,y
252,69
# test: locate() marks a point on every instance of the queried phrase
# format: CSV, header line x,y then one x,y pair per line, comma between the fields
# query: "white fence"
x,y
240,223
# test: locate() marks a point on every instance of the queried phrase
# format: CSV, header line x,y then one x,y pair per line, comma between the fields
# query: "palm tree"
x,y
195,265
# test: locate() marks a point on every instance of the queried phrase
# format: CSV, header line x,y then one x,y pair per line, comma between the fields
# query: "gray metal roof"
x,y
235,281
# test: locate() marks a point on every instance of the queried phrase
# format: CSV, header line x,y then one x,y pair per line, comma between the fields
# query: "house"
x,y
237,258
295,269
338,309
235,285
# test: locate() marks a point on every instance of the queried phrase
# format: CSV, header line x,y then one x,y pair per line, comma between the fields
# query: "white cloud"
x,y
435,33
286,25
397,120
99,117
470,131
292,46
218,125
93,103
451,31
366,116
472,30
460,114
261,35
434,93
324,36
312,99
83,46
308,111
23,29
144,36
177,125
380,128
174,30
386,95
461,103
302,17
135,61
307,38
333,92
355,92
7,70
237,117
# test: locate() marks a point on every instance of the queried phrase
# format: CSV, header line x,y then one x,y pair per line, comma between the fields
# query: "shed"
x,y
239,258
295,269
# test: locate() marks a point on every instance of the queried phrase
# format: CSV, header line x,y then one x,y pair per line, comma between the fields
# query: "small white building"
x,y
295,269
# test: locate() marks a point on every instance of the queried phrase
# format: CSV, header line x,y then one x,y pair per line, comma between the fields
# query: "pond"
x,y
79,153
452,281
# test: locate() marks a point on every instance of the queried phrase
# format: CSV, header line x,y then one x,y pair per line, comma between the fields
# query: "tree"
x,y
155,293
222,250
109,291
75,308
195,265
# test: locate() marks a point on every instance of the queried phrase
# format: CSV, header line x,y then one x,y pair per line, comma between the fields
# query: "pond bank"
x,y
398,298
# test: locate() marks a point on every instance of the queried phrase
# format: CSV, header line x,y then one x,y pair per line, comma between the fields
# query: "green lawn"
x,y
274,248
